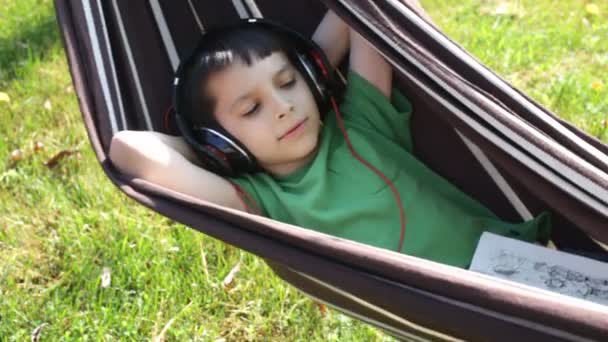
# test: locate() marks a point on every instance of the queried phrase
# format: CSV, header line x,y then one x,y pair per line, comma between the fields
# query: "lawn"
x,y
80,261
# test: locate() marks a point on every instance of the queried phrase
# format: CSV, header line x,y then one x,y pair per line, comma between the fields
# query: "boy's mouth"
x,y
294,129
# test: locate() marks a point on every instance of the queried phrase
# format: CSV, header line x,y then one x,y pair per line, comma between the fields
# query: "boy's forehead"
x,y
271,63
239,77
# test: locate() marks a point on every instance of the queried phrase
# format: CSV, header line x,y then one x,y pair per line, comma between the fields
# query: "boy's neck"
x,y
285,169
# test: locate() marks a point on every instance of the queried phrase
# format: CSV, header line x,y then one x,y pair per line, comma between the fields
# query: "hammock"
x,y
469,125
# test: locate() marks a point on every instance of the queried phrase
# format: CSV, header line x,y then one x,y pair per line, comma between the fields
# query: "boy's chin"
x,y
294,161
307,149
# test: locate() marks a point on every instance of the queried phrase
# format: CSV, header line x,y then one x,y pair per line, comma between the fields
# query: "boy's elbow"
x,y
124,153
143,154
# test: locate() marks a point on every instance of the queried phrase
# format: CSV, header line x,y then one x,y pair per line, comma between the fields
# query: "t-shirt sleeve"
x,y
365,105
246,190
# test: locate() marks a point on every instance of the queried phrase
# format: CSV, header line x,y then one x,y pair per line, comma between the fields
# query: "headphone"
x,y
218,150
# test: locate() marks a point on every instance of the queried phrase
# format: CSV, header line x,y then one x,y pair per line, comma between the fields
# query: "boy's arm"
x,y
333,38
163,160
366,61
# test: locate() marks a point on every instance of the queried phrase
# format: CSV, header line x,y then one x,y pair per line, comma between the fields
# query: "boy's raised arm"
x,y
366,61
332,37
162,159
335,37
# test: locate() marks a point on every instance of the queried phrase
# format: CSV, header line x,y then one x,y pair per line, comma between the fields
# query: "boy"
x,y
311,177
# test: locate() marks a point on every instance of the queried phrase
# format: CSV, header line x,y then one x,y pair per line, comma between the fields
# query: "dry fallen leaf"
x,y
38,146
106,277
228,282
322,308
54,161
4,97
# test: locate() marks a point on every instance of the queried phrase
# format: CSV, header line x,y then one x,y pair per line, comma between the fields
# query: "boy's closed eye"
x,y
252,109
287,83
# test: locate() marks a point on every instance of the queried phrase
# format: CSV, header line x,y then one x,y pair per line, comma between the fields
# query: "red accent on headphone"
x,y
375,170
218,153
315,55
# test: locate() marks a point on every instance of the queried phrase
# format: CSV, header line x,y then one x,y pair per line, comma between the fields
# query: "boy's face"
x,y
269,107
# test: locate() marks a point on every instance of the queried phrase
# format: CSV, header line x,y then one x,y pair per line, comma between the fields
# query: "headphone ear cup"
x,y
314,75
212,158
218,151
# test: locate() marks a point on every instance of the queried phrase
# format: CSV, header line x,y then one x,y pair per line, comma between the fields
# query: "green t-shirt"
x,y
338,195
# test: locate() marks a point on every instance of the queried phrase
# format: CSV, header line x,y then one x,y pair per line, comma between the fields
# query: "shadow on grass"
x,y
32,43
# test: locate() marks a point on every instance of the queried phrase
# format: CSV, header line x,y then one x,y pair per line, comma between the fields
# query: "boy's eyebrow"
x,y
281,70
240,98
284,68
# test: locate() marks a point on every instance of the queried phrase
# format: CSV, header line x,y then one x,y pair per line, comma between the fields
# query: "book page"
x,y
541,267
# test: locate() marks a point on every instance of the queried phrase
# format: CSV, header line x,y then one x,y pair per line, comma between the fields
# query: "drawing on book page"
x,y
554,277
537,266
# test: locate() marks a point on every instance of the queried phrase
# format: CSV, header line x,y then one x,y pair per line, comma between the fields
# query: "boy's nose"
x,y
283,106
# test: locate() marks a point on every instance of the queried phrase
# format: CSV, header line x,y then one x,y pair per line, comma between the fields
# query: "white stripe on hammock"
x,y
500,181
462,55
132,66
121,108
161,23
101,70
568,172
253,8
240,9
372,307
389,329
198,20
474,308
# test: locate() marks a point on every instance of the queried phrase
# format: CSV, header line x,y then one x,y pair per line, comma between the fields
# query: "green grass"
x,y
59,228
553,50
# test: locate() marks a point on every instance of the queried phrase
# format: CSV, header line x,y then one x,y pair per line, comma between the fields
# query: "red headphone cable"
x,y
167,118
375,170
250,205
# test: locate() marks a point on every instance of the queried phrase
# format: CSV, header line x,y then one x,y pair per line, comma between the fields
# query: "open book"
x,y
541,267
